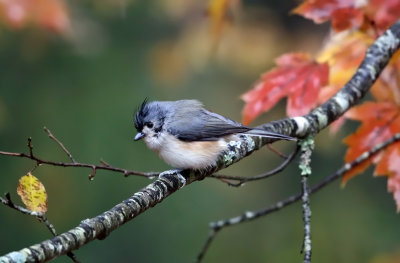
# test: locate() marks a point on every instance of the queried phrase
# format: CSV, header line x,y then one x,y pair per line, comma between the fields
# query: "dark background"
x,y
85,86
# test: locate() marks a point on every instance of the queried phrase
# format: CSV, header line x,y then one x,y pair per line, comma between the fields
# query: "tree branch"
x,y
41,216
252,215
307,146
94,167
60,144
242,179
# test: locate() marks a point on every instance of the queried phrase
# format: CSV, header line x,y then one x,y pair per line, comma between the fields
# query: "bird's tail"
x,y
267,134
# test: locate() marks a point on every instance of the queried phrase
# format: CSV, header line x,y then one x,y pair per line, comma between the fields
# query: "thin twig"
x,y
30,146
248,216
276,151
207,244
94,167
8,202
307,146
104,162
73,257
60,144
41,216
104,166
241,179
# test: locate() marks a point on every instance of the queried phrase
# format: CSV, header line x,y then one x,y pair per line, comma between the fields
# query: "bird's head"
x,y
149,121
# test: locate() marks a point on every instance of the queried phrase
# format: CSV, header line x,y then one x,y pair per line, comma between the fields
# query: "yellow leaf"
x,y
344,53
32,193
218,11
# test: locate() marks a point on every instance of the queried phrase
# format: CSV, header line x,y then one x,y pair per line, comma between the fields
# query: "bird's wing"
x,y
194,123
202,125
263,133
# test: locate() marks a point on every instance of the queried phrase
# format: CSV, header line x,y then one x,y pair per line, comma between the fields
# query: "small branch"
x,y
276,151
102,225
8,202
30,147
93,173
60,144
307,146
249,216
94,167
103,166
211,235
104,163
242,180
41,216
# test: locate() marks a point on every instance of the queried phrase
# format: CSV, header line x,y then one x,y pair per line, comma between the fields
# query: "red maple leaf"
x,y
318,11
345,18
383,12
346,14
297,77
343,13
379,122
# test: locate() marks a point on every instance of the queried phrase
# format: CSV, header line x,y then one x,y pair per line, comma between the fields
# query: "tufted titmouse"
x,y
186,135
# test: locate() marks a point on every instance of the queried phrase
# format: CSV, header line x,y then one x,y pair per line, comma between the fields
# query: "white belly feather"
x,y
195,155
182,155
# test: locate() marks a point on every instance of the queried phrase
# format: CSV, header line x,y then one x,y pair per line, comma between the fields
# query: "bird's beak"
x,y
139,136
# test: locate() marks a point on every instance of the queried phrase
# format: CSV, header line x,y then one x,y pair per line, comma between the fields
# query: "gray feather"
x,y
191,122
187,120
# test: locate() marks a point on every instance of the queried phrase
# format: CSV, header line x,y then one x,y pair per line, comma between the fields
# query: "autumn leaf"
x,y
32,193
387,87
394,187
344,14
296,77
347,14
379,122
316,10
347,18
344,53
388,165
383,13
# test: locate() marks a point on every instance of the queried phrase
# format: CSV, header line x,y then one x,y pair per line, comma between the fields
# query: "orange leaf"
x,y
383,13
358,144
297,77
346,18
379,122
344,53
32,193
387,87
343,13
316,10
389,165
394,187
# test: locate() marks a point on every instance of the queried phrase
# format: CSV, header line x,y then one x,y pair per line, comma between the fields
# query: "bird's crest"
x,y
141,113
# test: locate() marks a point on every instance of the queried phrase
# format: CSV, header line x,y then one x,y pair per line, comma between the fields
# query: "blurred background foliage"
x,y
82,72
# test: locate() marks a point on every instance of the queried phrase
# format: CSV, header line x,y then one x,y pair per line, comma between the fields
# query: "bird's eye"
x,y
149,124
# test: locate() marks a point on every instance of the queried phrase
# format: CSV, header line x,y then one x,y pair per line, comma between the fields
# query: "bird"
x,y
186,135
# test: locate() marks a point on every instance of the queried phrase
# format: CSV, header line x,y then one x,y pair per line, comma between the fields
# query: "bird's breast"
x,y
194,155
